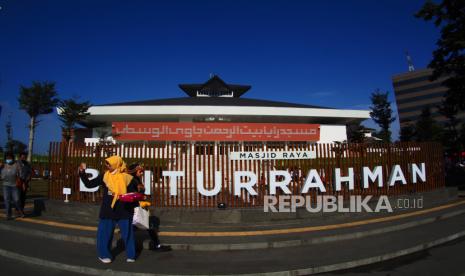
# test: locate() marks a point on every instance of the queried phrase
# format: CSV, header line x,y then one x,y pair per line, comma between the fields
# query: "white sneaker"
x,y
105,260
130,260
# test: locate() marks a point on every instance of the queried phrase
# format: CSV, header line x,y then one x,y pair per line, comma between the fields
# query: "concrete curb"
x,y
377,259
90,211
248,245
303,271
62,266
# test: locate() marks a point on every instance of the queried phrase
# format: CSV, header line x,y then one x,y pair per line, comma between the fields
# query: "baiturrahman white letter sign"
x,y
82,187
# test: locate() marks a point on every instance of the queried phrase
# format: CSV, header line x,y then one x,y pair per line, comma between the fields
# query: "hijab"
x,y
118,179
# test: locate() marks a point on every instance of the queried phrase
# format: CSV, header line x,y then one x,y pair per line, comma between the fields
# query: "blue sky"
x,y
328,53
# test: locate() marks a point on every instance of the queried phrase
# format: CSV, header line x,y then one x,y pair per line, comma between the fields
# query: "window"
x,y
229,94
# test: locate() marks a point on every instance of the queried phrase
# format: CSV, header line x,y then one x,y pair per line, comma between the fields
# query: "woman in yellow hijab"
x,y
114,182
116,178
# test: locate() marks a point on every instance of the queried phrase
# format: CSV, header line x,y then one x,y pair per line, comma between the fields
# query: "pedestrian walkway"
x,y
303,249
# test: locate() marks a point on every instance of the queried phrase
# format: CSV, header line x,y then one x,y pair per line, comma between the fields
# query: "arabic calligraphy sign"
x,y
169,131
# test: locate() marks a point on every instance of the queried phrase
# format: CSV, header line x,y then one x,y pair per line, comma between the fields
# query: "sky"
x,y
327,53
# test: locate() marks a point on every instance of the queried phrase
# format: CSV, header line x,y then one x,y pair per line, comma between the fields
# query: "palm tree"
x,y
39,99
71,112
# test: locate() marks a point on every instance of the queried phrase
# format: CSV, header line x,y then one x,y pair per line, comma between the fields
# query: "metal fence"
x,y
209,157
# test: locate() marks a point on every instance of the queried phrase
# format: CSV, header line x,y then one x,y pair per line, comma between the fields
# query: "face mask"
x,y
9,161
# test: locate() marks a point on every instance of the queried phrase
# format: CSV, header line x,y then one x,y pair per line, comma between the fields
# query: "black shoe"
x,y
152,245
161,248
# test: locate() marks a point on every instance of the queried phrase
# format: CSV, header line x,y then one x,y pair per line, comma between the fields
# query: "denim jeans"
x,y
11,193
105,237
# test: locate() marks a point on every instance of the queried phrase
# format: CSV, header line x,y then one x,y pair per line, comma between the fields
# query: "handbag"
x,y
141,218
19,183
131,197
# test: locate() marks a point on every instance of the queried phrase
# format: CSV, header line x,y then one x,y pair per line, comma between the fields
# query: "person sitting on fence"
x,y
137,171
115,182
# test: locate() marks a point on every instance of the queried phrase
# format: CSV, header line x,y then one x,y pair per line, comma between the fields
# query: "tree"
x,y
426,129
39,99
355,133
381,113
449,110
71,112
9,135
105,144
407,133
13,146
462,136
450,135
449,57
